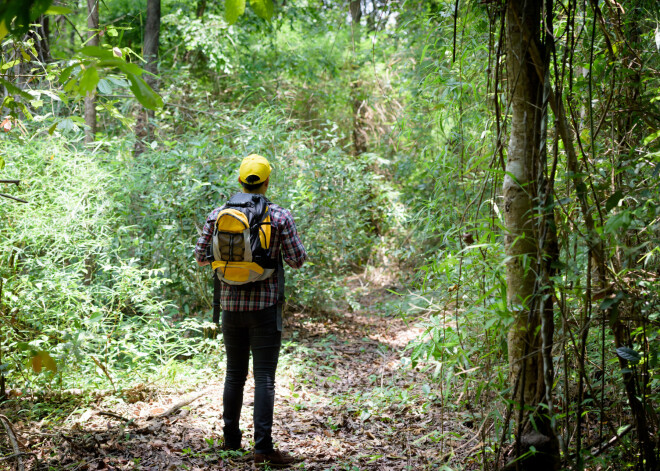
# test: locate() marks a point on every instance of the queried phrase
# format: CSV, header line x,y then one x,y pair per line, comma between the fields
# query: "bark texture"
x,y
143,128
90,99
525,160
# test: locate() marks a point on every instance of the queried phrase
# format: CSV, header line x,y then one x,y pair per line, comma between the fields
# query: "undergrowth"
x,y
100,288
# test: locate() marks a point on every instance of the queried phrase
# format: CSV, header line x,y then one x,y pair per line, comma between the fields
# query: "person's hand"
x,y
201,264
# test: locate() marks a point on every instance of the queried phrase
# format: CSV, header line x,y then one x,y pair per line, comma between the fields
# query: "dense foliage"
x,y
388,136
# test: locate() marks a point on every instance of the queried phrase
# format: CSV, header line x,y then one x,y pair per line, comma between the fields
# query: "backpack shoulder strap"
x,y
216,299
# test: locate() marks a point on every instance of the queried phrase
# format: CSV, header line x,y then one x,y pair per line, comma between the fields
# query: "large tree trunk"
x,y
90,101
523,167
143,129
358,102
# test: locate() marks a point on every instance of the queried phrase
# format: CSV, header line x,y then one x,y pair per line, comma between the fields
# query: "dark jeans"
x,y
243,332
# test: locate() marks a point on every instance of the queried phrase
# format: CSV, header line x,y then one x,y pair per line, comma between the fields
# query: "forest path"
x,y
344,401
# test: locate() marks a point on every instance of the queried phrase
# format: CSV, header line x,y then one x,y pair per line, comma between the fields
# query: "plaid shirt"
x,y
260,294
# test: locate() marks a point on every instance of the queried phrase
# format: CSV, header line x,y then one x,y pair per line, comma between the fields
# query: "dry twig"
x,y
14,443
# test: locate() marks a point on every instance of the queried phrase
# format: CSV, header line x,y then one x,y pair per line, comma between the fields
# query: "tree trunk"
x,y
143,129
358,102
524,165
201,8
90,101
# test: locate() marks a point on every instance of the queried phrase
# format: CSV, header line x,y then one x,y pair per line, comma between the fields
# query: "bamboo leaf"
x,y
651,138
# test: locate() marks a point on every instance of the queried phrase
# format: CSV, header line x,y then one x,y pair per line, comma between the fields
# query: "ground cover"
x,y
344,400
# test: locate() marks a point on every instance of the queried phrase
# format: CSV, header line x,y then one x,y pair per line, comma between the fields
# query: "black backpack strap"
x,y
280,291
216,299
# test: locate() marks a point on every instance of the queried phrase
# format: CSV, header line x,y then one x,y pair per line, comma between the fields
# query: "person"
x,y
251,322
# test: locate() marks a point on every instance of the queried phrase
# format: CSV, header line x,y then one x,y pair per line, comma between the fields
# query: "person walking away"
x,y
251,311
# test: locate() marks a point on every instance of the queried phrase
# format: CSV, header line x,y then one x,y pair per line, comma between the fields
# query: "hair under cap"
x,y
254,169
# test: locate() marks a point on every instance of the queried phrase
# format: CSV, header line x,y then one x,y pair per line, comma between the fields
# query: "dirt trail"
x,y
343,401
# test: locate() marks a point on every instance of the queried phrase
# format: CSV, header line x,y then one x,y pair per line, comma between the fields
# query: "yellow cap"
x,y
254,169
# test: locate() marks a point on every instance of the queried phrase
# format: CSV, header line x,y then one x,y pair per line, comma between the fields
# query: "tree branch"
x,y
13,198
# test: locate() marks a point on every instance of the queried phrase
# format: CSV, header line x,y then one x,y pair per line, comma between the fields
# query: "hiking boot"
x,y
274,459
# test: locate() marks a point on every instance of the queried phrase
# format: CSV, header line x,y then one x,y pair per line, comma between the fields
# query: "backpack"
x,y
241,244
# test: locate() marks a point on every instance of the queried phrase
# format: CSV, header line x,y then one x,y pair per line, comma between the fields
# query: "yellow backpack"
x,y
241,245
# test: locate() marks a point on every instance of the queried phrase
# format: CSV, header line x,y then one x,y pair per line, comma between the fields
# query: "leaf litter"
x,y
344,401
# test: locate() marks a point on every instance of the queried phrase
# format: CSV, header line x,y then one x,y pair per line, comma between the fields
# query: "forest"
x,y
475,183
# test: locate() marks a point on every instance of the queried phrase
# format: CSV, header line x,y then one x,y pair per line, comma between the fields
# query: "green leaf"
x,y
263,8
25,110
612,302
57,10
652,137
608,303
122,65
144,93
234,9
629,354
3,29
104,87
88,81
2,163
98,52
66,73
14,90
618,222
613,200
118,81
10,64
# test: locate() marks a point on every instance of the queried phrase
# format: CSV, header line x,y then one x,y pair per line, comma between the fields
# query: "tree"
x,y
521,193
93,40
143,130
357,94
201,8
